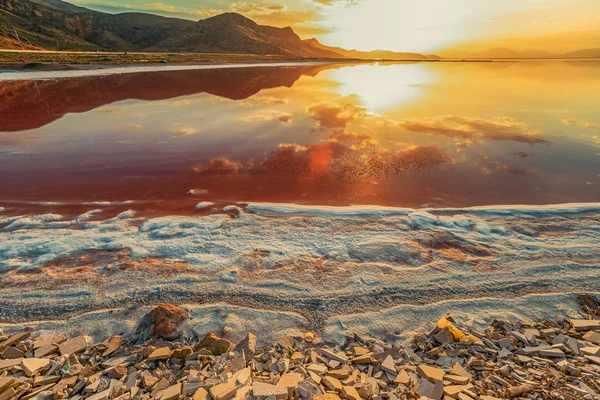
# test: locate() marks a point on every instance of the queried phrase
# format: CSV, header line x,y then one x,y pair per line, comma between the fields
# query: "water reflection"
x,y
401,135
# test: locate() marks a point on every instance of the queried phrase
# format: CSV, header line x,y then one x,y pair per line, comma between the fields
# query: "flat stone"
x,y
554,353
32,366
388,365
72,346
14,339
113,344
430,390
334,356
402,378
332,384
12,352
452,391
43,351
350,393
6,382
100,396
160,354
261,391
223,391
593,337
432,374
201,394
317,368
172,392
590,350
457,379
45,380
460,371
9,363
585,324
290,380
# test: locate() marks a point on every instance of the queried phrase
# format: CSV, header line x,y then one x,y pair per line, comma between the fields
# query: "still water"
x,y
415,135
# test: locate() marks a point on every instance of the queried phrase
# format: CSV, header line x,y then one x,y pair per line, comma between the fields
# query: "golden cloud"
x,y
501,128
334,116
586,125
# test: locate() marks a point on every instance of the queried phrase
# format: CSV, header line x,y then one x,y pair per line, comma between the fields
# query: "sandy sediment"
x,y
323,269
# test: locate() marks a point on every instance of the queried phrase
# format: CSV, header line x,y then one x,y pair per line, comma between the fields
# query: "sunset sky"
x,y
404,25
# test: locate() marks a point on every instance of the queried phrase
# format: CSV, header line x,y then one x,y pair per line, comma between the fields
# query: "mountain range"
x,y
508,53
58,25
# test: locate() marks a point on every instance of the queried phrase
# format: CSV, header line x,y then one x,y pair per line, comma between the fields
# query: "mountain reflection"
x,y
34,104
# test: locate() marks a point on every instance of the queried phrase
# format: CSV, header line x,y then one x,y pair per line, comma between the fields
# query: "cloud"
x,y
586,125
268,115
219,166
160,6
334,115
185,130
501,128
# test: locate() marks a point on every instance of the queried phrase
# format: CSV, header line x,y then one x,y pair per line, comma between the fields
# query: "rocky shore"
x,y
543,360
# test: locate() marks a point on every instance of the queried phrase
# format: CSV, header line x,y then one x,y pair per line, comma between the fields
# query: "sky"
x,y
424,26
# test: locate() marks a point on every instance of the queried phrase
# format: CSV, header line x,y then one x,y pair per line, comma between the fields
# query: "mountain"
x,y
505,52
371,55
586,53
55,24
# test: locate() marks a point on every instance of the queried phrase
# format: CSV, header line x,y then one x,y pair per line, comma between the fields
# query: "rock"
x,y
590,350
215,344
334,356
113,344
33,366
557,353
262,391
593,337
430,390
201,394
290,380
457,379
350,393
164,353
12,352
332,384
173,392
166,319
73,346
585,324
182,352
432,374
402,378
309,336
460,371
105,395
286,342
247,347
14,339
389,366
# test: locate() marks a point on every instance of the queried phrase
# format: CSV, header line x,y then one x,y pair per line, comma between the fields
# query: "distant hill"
x,y
586,53
55,24
505,52
375,54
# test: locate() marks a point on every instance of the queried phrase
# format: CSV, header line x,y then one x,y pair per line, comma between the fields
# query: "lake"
x,y
403,135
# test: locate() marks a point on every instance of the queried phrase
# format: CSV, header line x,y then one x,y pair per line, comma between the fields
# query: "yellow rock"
x,y
160,354
456,333
350,393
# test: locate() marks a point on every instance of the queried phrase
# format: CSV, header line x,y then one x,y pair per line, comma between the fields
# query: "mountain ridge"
x,y
58,25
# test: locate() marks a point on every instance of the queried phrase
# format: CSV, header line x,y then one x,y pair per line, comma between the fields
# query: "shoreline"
x,y
161,354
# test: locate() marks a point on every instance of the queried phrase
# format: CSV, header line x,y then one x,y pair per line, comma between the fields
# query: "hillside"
x,y
375,54
58,25
586,53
